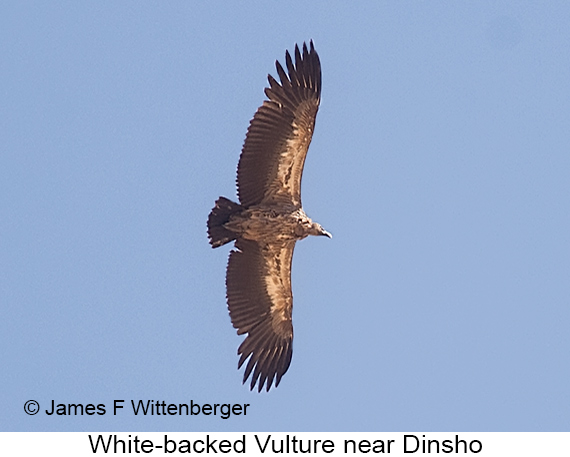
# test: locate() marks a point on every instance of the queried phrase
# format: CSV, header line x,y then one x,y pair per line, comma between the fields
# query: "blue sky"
x,y
440,163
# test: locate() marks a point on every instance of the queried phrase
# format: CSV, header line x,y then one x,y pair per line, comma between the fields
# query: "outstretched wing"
x,y
273,155
260,302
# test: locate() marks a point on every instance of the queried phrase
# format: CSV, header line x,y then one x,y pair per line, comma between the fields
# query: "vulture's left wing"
x,y
260,302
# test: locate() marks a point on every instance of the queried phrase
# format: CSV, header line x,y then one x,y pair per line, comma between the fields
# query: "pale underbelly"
x,y
266,227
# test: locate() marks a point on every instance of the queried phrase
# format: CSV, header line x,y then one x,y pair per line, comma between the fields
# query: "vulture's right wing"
x,y
271,163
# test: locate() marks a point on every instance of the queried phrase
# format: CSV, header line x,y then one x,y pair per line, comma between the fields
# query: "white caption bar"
x,y
306,443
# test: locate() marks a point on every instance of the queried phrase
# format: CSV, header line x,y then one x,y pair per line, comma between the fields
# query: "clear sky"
x,y
440,163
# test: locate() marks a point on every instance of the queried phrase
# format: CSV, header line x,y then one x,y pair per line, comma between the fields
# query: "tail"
x,y
219,215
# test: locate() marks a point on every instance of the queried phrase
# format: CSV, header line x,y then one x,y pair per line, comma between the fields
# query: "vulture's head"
x,y
318,230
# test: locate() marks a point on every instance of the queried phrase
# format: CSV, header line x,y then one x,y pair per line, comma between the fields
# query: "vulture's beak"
x,y
325,233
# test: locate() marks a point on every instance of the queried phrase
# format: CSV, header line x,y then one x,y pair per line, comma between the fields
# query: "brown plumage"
x,y
269,218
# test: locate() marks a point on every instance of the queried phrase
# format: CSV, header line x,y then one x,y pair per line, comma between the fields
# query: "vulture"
x,y
269,218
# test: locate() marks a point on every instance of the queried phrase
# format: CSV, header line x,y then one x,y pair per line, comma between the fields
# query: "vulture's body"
x,y
269,218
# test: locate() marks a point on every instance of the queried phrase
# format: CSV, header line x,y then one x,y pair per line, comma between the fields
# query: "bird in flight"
x,y
269,218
